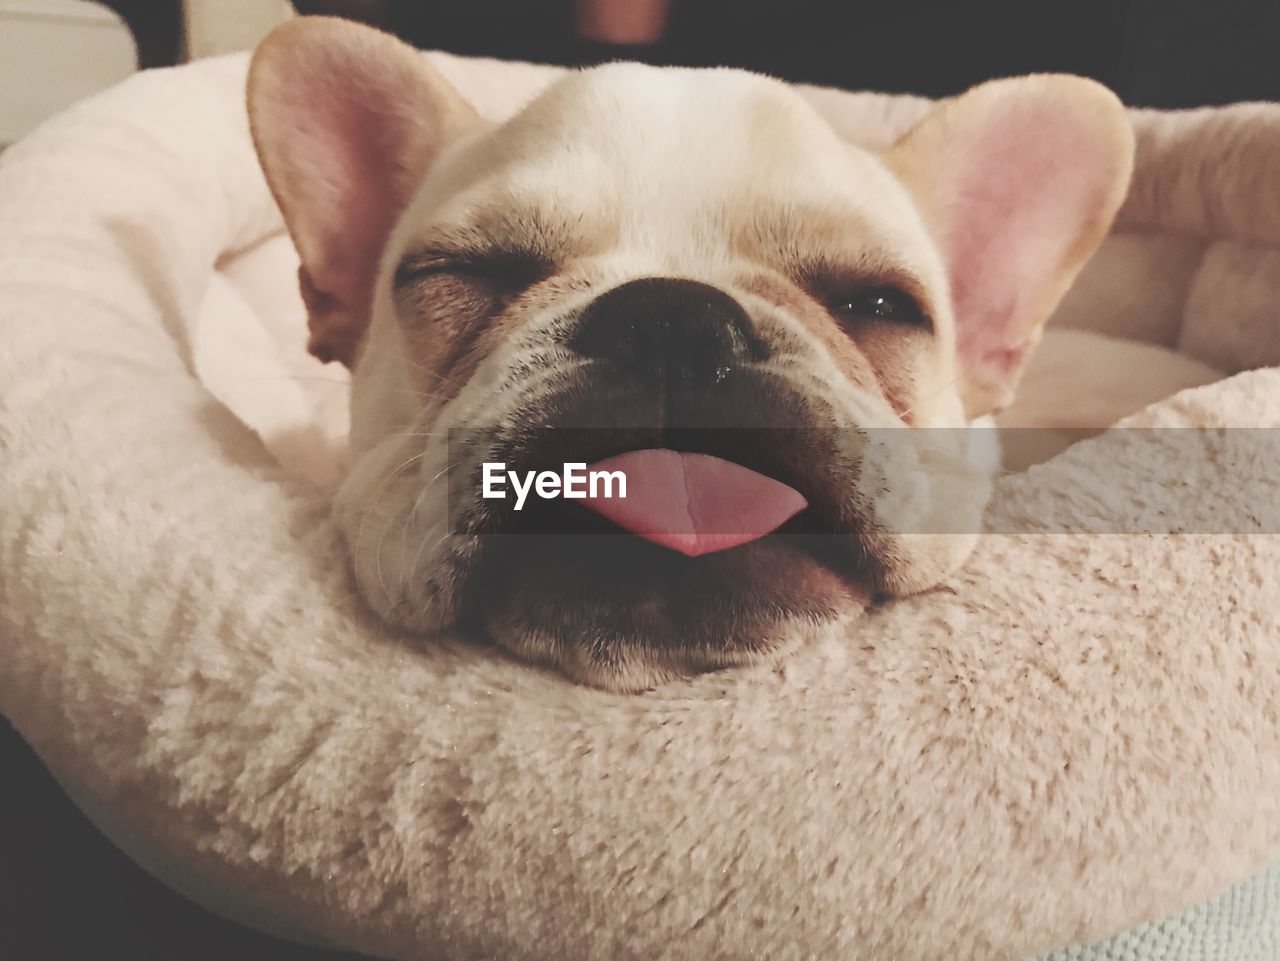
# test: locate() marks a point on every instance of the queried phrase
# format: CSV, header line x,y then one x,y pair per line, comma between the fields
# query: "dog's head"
x,y
672,259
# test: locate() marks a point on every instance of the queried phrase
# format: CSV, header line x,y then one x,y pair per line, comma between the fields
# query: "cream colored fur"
x,y
999,767
654,173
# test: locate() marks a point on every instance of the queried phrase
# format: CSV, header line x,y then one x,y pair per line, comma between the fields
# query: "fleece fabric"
x,y
1078,733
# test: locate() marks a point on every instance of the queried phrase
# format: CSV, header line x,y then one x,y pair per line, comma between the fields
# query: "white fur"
x,y
718,176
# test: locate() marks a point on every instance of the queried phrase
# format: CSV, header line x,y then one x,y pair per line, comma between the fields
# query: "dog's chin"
x,y
614,611
557,584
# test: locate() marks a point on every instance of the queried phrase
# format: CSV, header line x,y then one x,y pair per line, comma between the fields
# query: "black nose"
x,y
675,332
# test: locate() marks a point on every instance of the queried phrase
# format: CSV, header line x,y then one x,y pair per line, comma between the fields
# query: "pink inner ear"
x,y
346,121
350,157
1023,183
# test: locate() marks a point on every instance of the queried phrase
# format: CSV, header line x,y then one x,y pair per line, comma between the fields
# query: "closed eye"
x,y
464,289
505,272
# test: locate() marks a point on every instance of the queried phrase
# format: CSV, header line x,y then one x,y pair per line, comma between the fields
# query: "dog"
x,y
691,266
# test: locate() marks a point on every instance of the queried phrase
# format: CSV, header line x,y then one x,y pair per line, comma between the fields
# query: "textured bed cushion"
x,y
1076,735
1241,925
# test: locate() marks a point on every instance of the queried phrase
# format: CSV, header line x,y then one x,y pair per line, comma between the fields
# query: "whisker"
x,y
924,400
369,510
417,557
300,378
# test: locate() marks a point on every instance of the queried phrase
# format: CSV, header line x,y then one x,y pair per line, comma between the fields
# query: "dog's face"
x,y
685,259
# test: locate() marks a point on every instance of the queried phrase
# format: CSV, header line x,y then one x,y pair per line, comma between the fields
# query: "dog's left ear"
x,y
1018,180
347,121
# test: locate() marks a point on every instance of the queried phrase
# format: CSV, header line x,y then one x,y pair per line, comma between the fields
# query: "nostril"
x,y
668,329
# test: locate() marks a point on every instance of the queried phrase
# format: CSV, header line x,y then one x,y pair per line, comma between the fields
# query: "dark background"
x,y
1156,53
1160,53
65,892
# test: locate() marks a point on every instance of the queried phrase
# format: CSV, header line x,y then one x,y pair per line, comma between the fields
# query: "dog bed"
x,y
1076,735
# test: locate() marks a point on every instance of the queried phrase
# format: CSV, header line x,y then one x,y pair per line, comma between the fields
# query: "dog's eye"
x,y
881,303
429,287
507,272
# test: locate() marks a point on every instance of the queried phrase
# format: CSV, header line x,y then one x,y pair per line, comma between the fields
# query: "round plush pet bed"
x,y
1077,734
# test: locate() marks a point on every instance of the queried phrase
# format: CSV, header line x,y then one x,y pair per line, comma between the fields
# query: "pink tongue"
x,y
694,503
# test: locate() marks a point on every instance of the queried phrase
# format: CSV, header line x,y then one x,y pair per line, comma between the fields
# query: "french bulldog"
x,y
735,306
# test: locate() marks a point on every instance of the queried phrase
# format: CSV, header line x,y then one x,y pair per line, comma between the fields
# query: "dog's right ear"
x,y
346,120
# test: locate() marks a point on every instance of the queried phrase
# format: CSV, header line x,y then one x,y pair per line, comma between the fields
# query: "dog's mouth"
x,y
729,536
691,503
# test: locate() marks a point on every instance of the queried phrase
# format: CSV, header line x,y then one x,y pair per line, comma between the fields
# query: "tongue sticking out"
x,y
694,503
